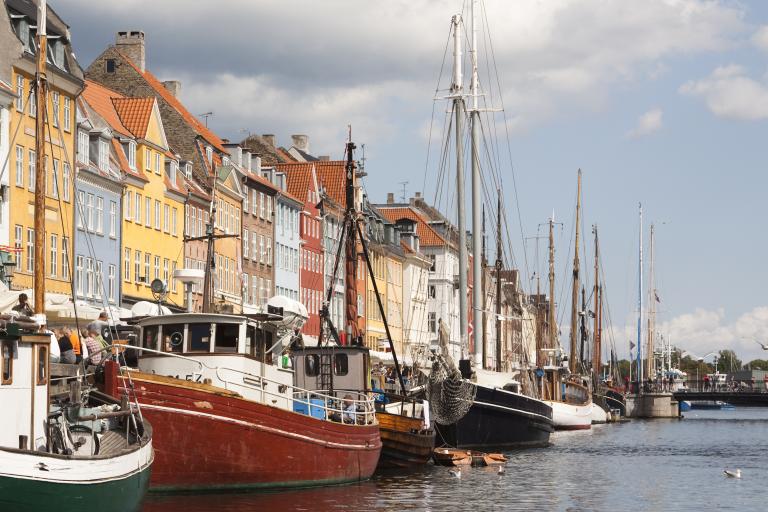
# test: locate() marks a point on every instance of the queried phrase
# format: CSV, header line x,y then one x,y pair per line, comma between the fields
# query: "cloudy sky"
x,y
662,102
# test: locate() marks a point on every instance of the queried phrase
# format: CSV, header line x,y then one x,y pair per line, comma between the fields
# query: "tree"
x,y
727,361
757,364
623,365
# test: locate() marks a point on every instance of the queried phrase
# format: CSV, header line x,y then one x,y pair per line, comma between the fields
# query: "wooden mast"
x,y
41,95
596,333
351,328
498,281
649,359
575,291
551,319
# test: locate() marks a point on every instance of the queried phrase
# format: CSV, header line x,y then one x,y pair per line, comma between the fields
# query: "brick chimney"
x,y
300,142
268,139
131,44
390,198
173,86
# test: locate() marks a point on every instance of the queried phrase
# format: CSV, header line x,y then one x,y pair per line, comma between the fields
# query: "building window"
x,y
54,261
111,283
157,267
147,159
254,202
66,182
127,265
54,181
110,65
137,267
128,203
261,249
55,113
147,258
79,275
65,258
32,163
209,155
269,250
67,114
432,322
98,281
89,223
30,250
433,262
174,282
193,222
89,277
83,147
245,244
112,219
137,209
157,163
132,154
157,215
432,291
20,93
166,265
148,212
32,101
19,166
166,218
103,155
42,365
80,209
262,205
100,215
172,170
174,215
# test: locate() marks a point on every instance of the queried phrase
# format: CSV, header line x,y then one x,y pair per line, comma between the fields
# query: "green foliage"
x,y
757,364
727,361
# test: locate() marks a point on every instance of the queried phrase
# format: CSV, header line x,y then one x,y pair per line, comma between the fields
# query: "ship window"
x,y
6,355
42,365
173,339
199,337
149,338
250,339
226,337
312,365
340,364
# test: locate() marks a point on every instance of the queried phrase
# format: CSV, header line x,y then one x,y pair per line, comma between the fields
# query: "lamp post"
x,y
9,265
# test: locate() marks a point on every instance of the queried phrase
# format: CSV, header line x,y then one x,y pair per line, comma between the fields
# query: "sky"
x,y
660,102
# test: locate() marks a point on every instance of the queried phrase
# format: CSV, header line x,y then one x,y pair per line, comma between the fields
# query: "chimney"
x,y
256,163
173,86
390,198
247,160
131,44
300,142
324,158
269,139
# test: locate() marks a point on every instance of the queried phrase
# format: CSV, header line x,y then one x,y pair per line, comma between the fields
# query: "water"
x,y
664,465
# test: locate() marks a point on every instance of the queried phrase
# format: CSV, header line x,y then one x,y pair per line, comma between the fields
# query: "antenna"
x,y
205,116
405,192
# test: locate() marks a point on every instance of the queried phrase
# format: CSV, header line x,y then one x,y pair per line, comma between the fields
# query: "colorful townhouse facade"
x,y
99,169
287,236
65,81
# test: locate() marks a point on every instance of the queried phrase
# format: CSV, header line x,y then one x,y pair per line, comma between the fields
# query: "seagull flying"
x,y
765,347
732,473
455,473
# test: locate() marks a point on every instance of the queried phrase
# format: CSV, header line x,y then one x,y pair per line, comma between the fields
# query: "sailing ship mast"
x,y
597,299
457,90
551,319
352,330
474,114
41,95
651,310
640,304
498,282
575,290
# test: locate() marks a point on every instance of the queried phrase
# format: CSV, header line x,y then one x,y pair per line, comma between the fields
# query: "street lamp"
x,y
9,265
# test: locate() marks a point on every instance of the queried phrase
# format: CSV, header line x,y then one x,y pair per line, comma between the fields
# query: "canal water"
x,y
664,465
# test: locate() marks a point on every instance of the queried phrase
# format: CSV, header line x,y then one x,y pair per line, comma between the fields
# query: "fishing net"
x,y
450,396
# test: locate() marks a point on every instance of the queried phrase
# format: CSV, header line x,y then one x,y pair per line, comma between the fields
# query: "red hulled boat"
x,y
227,418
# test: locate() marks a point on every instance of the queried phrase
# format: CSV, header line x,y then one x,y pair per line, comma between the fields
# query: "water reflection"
x,y
664,465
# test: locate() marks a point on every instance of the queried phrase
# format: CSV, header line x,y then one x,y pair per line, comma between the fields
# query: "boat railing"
x,y
354,407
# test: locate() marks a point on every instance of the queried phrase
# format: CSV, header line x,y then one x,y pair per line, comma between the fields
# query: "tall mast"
x,y
640,304
499,264
41,95
458,106
210,263
485,300
551,319
575,290
477,292
351,248
651,310
596,333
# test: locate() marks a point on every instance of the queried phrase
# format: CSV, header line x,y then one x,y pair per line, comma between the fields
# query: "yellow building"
x,y
153,198
64,85
375,334
394,262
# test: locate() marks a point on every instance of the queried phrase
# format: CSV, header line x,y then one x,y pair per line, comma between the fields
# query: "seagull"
x,y
455,473
41,466
765,347
501,470
732,473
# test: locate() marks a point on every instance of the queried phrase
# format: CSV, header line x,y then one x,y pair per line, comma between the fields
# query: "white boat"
x,y
598,414
67,450
567,416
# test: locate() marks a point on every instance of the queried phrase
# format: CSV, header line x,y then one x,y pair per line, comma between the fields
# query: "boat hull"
x,y
212,440
405,443
500,419
567,416
116,484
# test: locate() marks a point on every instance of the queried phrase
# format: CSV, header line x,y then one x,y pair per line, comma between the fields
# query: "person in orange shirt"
x,y
74,338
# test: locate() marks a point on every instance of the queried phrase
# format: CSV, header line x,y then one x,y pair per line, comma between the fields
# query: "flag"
x,y
631,345
657,297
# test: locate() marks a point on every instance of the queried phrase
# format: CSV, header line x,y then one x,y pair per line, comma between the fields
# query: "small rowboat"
x,y
456,457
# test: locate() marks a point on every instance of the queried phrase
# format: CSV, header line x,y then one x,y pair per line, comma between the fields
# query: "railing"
x,y
358,409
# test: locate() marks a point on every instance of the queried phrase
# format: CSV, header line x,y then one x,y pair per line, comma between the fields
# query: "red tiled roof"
x,y
135,114
330,176
201,129
427,235
99,98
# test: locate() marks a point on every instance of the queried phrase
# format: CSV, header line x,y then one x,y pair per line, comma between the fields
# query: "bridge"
x,y
742,398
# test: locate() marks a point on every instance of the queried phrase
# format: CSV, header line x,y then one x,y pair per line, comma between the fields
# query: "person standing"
x,y
67,355
74,338
23,306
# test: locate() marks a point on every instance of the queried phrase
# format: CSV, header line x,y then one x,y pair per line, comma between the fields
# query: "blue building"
x,y
287,239
98,218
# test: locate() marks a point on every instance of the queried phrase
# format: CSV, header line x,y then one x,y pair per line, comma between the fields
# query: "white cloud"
x,y
703,331
760,38
728,92
648,123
